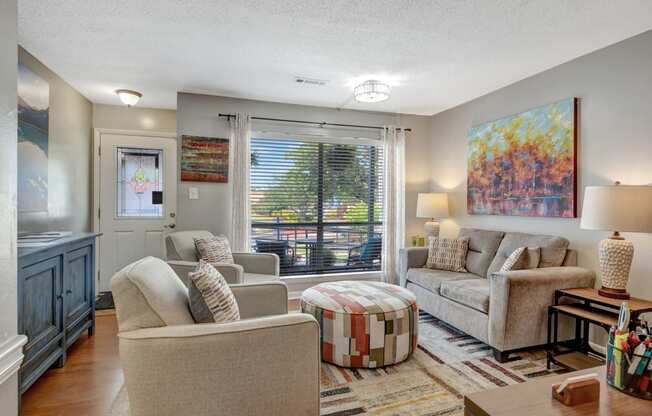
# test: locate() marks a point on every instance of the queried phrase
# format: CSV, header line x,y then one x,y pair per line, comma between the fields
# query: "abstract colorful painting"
x,y
204,159
525,164
33,120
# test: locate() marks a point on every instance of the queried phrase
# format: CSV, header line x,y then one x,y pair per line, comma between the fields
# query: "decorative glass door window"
x,y
139,183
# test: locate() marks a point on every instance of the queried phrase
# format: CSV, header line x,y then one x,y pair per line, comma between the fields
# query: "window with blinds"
x,y
317,205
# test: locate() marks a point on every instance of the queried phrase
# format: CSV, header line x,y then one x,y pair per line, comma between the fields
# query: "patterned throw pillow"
x,y
447,253
211,299
522,258
214,249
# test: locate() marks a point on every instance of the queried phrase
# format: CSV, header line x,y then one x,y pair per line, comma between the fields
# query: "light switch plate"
x,y
193,193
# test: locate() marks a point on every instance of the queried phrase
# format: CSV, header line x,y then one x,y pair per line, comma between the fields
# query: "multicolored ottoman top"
x,y
363,324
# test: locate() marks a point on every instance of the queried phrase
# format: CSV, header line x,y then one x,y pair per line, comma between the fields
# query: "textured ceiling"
x,y
436,54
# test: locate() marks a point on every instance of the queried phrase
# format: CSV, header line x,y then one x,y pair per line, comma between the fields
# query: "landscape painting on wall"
x,y
525,164
33,119
204,159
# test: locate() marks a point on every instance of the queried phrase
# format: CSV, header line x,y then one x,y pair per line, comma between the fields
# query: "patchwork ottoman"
x,y
363,324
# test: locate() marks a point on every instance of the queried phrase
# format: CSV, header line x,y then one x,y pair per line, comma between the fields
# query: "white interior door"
x,y
137,200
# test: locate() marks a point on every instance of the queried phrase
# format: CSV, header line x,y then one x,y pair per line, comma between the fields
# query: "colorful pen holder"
x,y
628,372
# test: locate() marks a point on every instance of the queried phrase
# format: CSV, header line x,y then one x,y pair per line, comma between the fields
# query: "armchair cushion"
x,y
147,294
211,299
181,246
214,249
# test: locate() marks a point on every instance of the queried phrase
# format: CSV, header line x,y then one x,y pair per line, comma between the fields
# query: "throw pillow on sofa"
x,y
447,254
211,299
522,258
215,249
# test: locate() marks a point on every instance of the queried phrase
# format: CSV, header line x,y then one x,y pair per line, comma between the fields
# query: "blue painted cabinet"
x,y
56,301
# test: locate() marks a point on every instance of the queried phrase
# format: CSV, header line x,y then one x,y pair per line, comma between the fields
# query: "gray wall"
x,y
197,115
8,128
615,90
69,152
135,118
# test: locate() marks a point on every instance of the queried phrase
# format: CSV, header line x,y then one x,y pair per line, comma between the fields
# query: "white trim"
x,y
11,356
97,140
598,347
297,284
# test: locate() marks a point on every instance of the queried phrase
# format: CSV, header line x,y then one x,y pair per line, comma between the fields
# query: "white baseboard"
x,y
297,284
11,356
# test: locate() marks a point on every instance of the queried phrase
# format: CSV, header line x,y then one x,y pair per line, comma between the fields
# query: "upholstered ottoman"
x,y
363,324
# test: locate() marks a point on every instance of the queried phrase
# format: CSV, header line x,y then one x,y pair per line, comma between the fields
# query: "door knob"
x,y
170,226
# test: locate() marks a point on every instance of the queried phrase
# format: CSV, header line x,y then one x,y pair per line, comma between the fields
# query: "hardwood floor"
x,y
91,379
88,383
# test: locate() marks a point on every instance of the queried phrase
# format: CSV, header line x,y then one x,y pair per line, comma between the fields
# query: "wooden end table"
x,y
587,307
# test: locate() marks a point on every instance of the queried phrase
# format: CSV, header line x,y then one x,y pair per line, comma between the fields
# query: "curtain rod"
x,y
321,124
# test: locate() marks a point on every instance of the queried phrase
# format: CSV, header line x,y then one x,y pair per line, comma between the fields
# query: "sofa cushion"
x,y
447,253
551,247
483,245
522,258
431,279
473,293
148,293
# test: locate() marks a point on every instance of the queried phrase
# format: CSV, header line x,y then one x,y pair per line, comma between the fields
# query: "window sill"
x,y
297,284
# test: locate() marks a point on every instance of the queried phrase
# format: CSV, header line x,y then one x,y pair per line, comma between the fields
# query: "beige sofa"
x,y
506,310
265,364
248,268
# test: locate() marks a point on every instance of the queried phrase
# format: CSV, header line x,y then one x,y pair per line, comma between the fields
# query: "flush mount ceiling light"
x,y
129,97
371,91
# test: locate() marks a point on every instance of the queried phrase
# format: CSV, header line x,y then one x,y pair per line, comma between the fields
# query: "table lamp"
x,y
435,207
616,208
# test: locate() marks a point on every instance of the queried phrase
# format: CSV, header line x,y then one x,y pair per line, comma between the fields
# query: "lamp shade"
x,y
434,205
617,208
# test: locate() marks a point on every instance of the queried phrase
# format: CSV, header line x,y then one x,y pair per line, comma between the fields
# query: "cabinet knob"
x,y
68,292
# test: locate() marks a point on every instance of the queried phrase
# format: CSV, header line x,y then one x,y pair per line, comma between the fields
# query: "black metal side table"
x,y
587,307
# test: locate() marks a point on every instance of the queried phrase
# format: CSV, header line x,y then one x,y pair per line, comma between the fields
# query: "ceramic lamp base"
x,y
431,228
615,256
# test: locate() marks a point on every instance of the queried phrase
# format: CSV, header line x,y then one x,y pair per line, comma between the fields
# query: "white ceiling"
x,y
436,54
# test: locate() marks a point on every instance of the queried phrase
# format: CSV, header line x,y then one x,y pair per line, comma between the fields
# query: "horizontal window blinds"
x,y
317,204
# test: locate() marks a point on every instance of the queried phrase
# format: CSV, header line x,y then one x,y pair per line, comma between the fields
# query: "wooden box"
x,y
578,393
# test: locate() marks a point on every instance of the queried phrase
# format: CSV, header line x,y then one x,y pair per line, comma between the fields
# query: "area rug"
x,y
447,365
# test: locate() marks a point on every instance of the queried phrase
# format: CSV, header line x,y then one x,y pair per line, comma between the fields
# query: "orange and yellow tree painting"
x,y
525,164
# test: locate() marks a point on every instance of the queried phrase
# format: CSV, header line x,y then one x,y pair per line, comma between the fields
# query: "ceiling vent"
x,y
310,81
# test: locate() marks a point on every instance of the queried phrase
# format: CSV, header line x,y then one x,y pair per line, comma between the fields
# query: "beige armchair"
x,y
266,363
248,267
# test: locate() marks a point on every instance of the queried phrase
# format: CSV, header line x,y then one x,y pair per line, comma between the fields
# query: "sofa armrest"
x,y
411,257
518,308
261,299
233,273
260,263
251,367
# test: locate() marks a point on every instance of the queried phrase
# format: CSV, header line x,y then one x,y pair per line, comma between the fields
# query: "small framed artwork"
x,y
525,164
204,159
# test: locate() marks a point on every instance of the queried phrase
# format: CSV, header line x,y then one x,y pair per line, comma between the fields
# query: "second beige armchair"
x,y
248,268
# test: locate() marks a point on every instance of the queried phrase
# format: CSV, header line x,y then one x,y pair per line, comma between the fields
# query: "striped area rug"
x,y
447,365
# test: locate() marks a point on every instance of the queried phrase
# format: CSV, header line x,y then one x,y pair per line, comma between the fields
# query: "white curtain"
x,y
393,202
240,168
